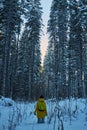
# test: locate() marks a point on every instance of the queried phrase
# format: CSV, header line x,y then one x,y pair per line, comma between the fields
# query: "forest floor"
x,y
20,116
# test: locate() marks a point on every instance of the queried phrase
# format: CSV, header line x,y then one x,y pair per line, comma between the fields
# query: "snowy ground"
x,y
72,116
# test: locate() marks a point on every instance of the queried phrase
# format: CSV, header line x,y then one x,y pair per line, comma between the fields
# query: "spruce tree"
x,y
10,19
57,29
29,50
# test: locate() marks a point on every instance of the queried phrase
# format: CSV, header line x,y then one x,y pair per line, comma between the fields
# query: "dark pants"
x,y
40,120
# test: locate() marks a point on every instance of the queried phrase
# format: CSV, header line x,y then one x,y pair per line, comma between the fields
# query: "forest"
x,y
64,71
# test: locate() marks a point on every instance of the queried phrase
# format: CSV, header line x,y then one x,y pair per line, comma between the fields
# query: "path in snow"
x,y
31,124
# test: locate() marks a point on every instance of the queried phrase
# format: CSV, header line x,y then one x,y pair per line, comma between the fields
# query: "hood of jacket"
x,y
41,99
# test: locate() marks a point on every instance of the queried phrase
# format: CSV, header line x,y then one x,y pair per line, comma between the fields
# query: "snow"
x,y
20,116
6,101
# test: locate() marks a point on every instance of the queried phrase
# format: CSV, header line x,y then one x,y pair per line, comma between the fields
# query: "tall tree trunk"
x,y
6,67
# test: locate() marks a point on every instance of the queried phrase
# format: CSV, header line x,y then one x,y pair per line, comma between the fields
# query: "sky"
x,y
46,4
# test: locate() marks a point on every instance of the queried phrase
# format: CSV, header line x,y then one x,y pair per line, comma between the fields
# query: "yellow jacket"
x,y
40,113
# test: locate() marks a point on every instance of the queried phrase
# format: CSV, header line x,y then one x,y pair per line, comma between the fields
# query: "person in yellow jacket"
x,y
41,110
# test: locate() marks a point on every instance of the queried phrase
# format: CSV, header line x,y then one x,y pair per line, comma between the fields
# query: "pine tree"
x,y
1,44
29,50
63,44
10,19
75,50
83,21
48,72
57,29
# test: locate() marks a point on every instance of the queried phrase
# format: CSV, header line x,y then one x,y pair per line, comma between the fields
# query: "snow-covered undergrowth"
x,y
68,112
63,115
6,101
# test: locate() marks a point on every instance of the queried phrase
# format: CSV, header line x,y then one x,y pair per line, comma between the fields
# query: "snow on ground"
x,y
21,115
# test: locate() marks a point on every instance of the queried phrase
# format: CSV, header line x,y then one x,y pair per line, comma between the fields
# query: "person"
x,y
41,110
